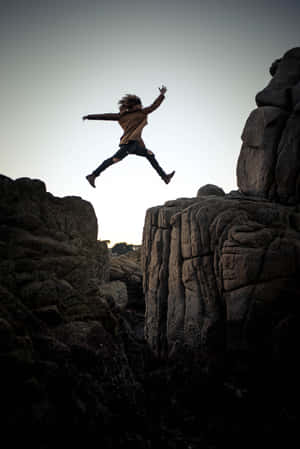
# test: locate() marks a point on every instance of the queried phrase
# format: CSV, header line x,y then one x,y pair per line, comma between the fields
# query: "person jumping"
x,y
132,118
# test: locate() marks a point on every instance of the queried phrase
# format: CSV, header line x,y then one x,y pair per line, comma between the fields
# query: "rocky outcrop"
x,y
269,161
51,259
220,274
157,268
221,271
70,364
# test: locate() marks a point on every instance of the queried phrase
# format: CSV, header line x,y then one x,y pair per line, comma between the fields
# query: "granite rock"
x,y
220,275
268,164
70,364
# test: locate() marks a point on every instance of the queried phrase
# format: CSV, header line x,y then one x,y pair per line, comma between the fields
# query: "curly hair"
x,y
128,101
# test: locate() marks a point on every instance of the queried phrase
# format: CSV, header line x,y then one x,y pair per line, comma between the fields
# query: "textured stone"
x,y
49,315
117,291
287,170
216,280
127,268
210,189
68,357
269,160
258,156
155,263
286,76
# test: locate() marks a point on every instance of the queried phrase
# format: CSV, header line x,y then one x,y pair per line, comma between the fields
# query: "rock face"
x,y
69,362
221,272
269,161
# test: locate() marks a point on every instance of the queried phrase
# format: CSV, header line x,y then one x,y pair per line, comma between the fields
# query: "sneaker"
x,y
168,177
91,179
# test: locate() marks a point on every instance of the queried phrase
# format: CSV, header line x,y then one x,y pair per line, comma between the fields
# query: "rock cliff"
x,y
70,364
221,272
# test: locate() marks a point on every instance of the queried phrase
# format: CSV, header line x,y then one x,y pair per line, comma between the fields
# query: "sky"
x,y
63,59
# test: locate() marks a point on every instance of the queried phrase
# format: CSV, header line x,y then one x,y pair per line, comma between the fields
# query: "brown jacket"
x,y
132,122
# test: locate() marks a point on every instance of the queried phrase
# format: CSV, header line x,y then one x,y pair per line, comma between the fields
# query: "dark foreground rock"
x,y
126,269
71,368
75,369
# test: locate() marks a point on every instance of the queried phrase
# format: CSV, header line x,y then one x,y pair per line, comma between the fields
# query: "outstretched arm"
x,y
101,117
157,102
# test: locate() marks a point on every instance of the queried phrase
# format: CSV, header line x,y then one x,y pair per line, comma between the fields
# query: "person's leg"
x,y
151,158
117,157
140,151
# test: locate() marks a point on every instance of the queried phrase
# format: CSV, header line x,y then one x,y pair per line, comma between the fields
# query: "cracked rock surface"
x,y
219,273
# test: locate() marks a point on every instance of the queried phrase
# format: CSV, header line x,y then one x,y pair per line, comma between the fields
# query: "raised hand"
x,y
162,90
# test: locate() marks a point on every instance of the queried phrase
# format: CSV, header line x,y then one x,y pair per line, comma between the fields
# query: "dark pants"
x,y
133,147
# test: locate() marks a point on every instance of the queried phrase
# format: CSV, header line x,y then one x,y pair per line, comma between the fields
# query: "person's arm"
x,y
101,117
157,102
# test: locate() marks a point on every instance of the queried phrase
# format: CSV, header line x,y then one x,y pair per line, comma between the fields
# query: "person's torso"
x,y
132,124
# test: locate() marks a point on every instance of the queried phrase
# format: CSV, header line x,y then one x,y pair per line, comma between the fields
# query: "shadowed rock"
x,y
67,369
283,89
127,268
269,161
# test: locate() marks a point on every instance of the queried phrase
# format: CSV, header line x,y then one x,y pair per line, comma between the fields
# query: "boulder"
x,y
127,269
210,189
269,160
285,76
117,291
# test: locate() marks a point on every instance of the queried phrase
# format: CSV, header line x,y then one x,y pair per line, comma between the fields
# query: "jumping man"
x,y
132,118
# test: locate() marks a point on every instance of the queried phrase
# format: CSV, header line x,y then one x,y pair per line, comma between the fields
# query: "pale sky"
x,y
63,59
